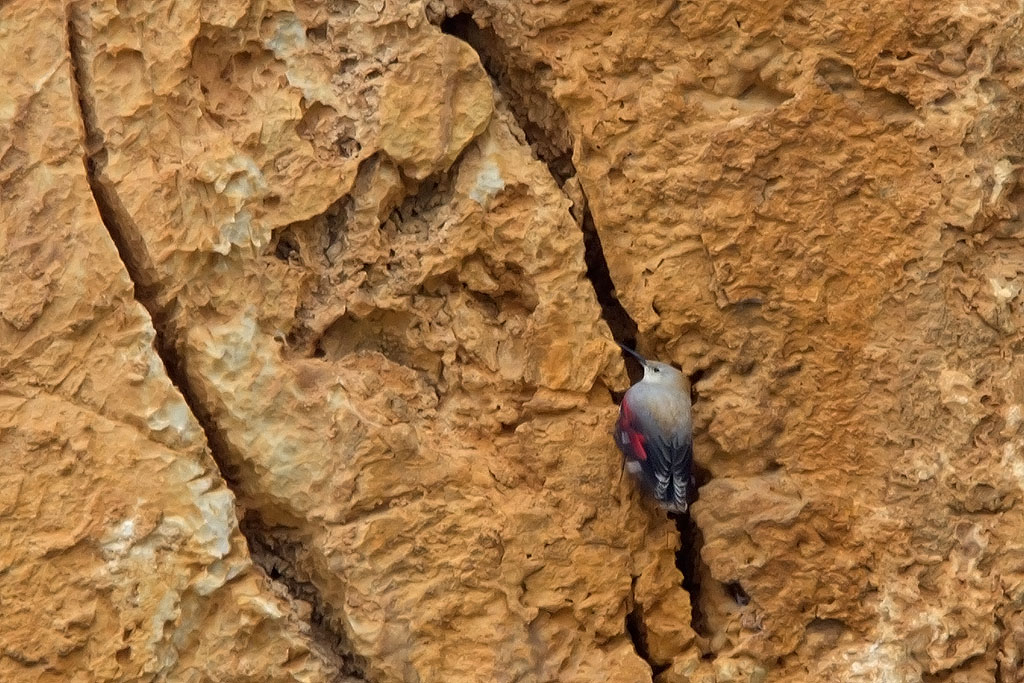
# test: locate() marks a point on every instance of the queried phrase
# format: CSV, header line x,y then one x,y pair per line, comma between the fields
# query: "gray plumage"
x,y
655,433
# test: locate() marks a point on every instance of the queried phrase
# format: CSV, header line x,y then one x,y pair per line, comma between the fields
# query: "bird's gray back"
x,y
662,407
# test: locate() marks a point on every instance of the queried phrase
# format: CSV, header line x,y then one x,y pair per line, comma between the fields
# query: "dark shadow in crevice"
x,y
688,559
737,593
638,634
550,142
549,139
520,81
277,556
623,328
131,252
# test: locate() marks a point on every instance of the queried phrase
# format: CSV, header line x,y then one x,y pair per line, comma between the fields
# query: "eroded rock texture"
x,y
818,205
120,555
377,299
359,229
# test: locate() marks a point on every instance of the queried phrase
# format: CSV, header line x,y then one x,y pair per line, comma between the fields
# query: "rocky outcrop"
x,y
817,208
375,298
385,249
120,557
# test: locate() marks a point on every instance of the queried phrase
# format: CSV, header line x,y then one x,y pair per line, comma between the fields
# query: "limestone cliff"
x,y
308,314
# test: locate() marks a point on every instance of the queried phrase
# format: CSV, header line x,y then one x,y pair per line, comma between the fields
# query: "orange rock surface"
x,y
366,241
120,555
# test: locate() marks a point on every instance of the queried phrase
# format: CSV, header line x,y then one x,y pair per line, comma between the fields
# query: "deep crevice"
x,y
688,559
522,89
129,248
277,556
623,328
144,294
521,96
555,150
637,632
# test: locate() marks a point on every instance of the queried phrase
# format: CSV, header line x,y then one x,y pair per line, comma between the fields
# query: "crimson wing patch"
x,y
665,461
627,435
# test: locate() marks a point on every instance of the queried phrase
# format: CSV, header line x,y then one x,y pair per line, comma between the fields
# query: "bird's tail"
x,y
672,490
677,494
675,487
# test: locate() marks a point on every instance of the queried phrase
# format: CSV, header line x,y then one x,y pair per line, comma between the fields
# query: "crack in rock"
x,y
278,556
552,145
131,252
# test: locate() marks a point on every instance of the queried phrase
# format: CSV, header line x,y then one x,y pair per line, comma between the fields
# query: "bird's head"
x,y
656,372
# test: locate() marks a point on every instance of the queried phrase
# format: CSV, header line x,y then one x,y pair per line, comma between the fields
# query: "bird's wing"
x,y
629,436
666,460
668,467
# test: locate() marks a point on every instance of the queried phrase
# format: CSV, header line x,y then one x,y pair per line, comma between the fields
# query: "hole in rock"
x,y
736,592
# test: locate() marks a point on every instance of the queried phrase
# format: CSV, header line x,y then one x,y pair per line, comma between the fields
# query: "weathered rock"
x,y
378,299
816,205
376,296
120,555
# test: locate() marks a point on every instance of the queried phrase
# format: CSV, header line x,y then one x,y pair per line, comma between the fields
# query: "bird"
x,y
655,433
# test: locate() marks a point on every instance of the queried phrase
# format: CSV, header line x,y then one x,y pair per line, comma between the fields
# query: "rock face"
x,y
376,299
818,206
363,233
120,555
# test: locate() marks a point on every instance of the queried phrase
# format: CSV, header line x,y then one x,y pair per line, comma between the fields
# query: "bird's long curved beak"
x,y
643,361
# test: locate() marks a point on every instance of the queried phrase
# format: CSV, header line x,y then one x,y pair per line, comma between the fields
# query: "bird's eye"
x,y
657,369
